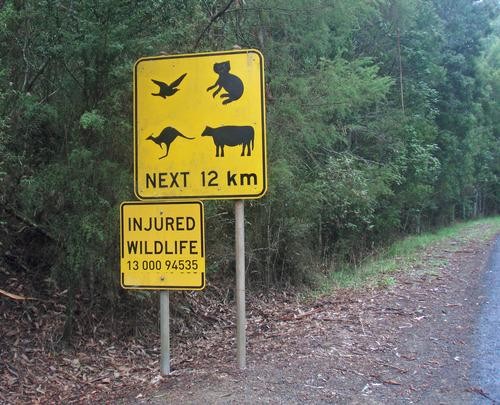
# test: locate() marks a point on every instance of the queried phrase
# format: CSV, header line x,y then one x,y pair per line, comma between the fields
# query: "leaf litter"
x,y
360,334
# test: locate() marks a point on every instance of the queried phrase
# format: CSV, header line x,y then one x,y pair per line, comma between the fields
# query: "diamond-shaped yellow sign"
x,y
200,126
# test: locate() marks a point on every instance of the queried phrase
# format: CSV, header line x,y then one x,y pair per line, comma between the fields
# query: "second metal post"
x,y
239,216
165,332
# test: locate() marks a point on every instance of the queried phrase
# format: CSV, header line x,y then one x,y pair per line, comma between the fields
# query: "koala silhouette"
x,y
232,84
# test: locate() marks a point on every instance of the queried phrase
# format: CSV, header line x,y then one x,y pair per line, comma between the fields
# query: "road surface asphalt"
x,y
486,369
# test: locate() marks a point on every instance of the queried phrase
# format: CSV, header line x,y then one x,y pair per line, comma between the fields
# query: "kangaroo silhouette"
x,y
165,89
230,83
167,136
231,136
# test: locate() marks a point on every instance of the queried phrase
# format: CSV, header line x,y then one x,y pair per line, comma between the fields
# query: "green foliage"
x,y
383,118
92,120
79,210
404,255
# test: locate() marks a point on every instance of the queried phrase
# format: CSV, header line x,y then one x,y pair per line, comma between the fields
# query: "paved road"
x,y
487,366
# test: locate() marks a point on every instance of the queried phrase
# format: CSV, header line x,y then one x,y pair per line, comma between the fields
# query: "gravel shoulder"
x,y
413,342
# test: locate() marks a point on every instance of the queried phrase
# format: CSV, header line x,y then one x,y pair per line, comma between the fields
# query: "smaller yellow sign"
x,y
162,245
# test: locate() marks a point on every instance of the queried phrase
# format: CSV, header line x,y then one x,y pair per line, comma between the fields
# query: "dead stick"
x,y
217,15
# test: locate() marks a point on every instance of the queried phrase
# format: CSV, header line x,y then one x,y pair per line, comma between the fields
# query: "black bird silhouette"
x,y
167,136
167,89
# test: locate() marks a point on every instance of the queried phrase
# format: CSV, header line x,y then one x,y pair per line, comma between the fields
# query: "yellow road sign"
x,y
162,245
200,126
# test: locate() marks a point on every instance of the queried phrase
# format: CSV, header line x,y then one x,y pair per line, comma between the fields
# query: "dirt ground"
x,y
407,341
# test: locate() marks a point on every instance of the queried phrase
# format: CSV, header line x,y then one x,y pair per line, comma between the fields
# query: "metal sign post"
x,y
239,216
162,248
199,132
165,332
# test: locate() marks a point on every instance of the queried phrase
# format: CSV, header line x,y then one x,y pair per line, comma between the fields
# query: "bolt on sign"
x,y
199,125
162,245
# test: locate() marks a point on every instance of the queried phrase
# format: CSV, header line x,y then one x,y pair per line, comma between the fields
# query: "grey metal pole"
x,y
239,216
165,332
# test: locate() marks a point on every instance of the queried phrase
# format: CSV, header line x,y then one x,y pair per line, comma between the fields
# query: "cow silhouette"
x,y
231,136
167,136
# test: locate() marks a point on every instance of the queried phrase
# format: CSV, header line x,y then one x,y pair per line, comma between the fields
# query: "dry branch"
x,y
15,296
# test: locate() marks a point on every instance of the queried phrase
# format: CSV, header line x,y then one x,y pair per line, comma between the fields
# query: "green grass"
x,y
404,255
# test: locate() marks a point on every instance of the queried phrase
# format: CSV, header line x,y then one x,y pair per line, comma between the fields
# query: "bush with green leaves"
x,y
382,119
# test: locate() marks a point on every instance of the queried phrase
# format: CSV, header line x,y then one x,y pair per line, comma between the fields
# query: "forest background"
x,y
383,120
